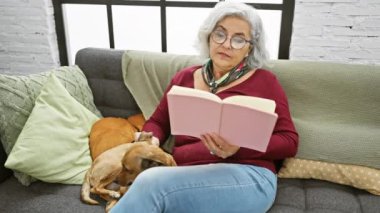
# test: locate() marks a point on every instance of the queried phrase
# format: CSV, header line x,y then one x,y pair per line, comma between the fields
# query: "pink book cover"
x,y
193,116
194,112
247,127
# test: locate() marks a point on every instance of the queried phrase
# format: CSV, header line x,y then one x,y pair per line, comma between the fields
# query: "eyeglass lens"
x,y
237,42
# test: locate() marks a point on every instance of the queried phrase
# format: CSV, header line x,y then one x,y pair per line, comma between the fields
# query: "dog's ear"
x,y
149,163
145,136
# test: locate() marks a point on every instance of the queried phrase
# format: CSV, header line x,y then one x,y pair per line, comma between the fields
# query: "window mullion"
x,y
286,29
163,26
110,26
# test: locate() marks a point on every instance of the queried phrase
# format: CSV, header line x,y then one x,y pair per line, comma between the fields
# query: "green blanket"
x,y
335,107
147,74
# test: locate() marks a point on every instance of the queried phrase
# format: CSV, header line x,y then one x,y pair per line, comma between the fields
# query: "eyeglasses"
x,y
237,42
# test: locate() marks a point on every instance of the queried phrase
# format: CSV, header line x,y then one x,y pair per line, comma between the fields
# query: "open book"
x,y
245,121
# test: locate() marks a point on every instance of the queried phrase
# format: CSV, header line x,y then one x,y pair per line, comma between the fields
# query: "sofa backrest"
x,y
102,68
335,109
334,105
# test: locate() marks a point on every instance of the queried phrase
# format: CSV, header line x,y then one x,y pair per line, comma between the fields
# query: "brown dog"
x,y
122,164
110,132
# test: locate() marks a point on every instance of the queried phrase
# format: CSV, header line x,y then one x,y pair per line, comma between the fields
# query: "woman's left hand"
x,y
218,146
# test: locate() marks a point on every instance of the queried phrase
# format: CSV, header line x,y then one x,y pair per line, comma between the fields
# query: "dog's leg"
x,y
100,187
106,197
102,191
123,190
86,188
110,204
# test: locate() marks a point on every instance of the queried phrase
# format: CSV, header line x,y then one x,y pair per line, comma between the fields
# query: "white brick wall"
x,y
337,30
28,42
329,30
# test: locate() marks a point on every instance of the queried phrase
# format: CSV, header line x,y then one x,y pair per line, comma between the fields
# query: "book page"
x,y
262,104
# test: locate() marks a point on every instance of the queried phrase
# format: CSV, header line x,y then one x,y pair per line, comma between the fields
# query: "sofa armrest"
x,y
4,172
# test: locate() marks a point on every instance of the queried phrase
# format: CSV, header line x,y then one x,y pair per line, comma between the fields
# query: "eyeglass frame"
x,y
230,38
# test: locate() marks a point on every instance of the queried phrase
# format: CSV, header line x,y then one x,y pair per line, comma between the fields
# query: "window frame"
x,y
287,9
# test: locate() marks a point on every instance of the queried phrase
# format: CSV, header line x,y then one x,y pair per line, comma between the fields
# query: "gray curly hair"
x,y
256,58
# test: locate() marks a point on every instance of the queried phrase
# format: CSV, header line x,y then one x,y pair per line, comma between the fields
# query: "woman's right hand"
x,y
218,145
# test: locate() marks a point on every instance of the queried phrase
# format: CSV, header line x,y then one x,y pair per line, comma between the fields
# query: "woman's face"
x,y
225,55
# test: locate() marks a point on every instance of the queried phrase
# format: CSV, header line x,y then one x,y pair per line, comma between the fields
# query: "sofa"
x,y
105,70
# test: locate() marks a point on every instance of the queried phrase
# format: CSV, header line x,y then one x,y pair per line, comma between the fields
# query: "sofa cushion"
x,y
106,82
336,117
44,197
315,196
357,176
53,145
18,96
293,196
334,108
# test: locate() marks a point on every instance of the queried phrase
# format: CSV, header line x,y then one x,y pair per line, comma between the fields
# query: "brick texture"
x,y
28,41
337,30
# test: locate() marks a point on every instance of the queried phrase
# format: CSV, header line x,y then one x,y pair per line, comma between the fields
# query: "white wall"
x,y
329,30
28,42
337,30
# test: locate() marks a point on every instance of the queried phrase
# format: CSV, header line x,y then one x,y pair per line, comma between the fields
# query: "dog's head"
x,y
142,156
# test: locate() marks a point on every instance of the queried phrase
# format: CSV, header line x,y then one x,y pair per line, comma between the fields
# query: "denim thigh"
x,y
202,188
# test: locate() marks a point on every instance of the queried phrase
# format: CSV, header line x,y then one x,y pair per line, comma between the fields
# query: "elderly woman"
x,y
214,175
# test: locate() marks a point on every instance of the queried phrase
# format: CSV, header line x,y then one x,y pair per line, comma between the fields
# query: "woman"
x,y
214,175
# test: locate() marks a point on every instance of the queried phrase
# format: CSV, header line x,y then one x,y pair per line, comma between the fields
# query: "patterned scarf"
x,y
234,74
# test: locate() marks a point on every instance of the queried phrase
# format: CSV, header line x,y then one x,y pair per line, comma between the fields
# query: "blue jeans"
x,y
203,188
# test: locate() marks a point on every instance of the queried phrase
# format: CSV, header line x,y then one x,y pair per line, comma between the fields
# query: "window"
x,y
146,33
156,25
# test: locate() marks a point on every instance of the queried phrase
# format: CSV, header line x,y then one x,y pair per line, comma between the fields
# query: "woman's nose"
x,y
227,43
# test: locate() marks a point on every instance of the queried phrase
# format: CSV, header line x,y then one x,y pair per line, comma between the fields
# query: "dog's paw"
x,y
115,195
155,141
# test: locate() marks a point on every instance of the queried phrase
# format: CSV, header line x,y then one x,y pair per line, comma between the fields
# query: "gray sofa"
x,y
102,68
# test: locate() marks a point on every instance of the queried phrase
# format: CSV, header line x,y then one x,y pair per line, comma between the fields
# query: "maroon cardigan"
x,y
191,151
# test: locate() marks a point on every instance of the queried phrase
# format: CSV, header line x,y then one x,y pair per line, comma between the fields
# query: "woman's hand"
x,y
218,146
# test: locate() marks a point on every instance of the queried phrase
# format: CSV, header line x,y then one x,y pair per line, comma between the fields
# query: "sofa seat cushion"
x,y
300,195
293,196
43,198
